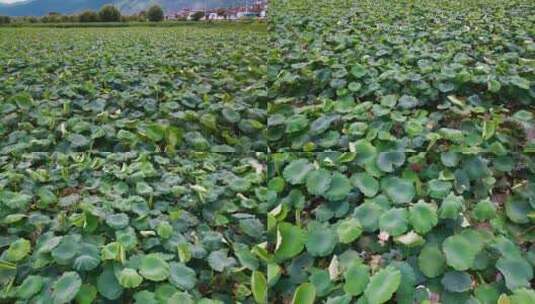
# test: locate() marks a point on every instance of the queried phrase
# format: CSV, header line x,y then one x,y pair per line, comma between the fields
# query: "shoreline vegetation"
x,y
174,23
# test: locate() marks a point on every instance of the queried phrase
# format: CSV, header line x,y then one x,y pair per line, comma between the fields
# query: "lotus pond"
x,y
125,89
131,227
402,135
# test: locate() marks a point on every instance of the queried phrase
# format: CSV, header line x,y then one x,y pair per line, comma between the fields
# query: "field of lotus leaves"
x,y
133,89
349,152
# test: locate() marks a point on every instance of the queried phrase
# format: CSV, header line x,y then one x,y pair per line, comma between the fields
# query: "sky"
x,y
10,1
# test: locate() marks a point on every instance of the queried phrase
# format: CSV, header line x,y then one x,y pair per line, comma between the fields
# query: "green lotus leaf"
x,y
523,115
296,171
318,181
517,210
322,124
46,197
290,241
143,188
506,247
454,135
383,285
239,184
522,296
154,268
78,140
30,286
449,159
322,282
165,291
339,188
410,239
408,102
259,287
219,260
86,294
365,151
358,70
23,100
399,190
295,198
145,297
354,86
230,115
209,121
349,230
450,207
66,287
18,250
108,286
394,221
180,298
431,261
112,251
277,184
423,217
456,281
86,262
484,210
182,276
368,216
460,252
368,185
273,274
126,238
356,279
164,229
345,299
296,123
519,82
518,272
487,293
407,290
494,85
320,241
251,227
389,101
438,188
15,200
389,161
304,294
117,221
49,244
129,278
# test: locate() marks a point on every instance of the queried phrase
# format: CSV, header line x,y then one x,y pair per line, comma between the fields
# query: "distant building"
x,y
253,9
181,14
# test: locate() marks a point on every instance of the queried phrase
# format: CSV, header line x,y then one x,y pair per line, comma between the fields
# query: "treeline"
x,y
107,13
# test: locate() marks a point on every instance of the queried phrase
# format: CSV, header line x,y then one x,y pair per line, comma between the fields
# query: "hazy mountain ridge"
x,y
43,7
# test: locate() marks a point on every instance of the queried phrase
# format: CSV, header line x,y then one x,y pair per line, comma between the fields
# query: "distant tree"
x,y
109,13
66,18
5,19
52,17
142,16
197,16
88,16
155,13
